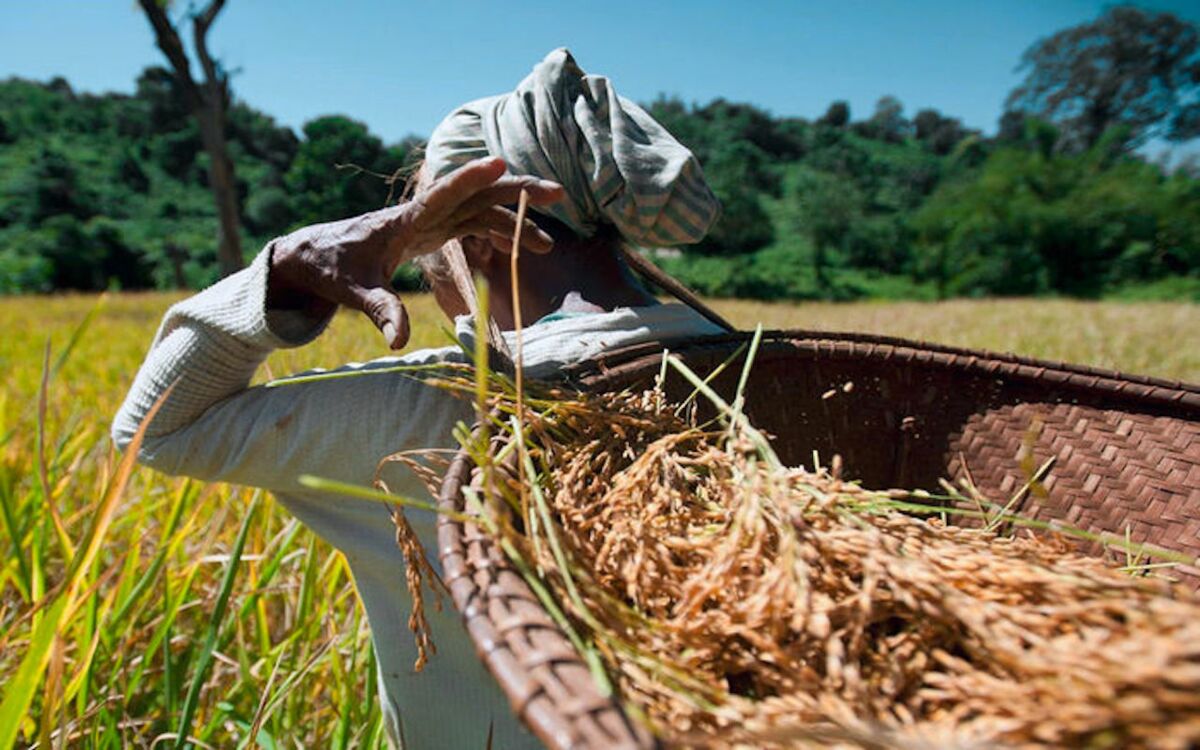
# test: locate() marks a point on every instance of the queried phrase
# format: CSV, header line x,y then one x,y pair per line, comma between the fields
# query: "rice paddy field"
x,y
138,610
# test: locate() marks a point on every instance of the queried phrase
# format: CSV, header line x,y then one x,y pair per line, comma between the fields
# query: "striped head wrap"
x,y
615,162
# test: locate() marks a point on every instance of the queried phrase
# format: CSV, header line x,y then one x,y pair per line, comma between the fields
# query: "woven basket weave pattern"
x,y
901,414
1112,471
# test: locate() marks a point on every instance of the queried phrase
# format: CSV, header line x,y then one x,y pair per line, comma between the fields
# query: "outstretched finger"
x,y
503,242
449,192
506,192
541,191
501,221
385,310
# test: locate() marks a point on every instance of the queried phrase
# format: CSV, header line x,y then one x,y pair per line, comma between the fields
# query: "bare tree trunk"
x,y
224,189
177,255
208,101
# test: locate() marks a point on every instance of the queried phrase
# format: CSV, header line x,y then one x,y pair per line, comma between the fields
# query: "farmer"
x,y
599,172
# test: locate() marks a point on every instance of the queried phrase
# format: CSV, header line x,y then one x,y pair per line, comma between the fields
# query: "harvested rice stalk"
x,y
737,602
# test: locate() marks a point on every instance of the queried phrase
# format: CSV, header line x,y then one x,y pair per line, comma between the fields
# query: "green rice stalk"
x,y
210,639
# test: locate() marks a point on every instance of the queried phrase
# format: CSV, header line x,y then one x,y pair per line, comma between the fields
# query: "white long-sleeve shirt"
x,y
215,427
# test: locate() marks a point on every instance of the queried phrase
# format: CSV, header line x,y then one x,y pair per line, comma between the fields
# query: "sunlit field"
x,y
132,611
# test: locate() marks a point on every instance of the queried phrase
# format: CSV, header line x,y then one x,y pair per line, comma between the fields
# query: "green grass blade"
x,y
366,493
192,700
662,375
760,441
19,692
16,534
150,574
739,398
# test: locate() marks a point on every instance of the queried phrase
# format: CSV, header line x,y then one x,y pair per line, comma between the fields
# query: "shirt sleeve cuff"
x,y
283,329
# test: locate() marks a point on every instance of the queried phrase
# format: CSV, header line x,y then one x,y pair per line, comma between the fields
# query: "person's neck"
x,y
571,282
585,295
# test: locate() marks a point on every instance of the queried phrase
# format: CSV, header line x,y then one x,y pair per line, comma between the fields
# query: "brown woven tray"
x,y
1126,453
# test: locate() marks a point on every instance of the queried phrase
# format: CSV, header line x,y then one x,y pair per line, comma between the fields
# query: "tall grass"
x,y
204,613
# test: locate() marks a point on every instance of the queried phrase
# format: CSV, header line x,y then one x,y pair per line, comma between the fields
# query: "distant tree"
x,y
1188,168
739,173
268,211
60,85
828,207
261,137
878,243
673,114
1011,127
24,269
937,131
1036,135
926,122
159,92
131,173
731,121
1130,67
887,123
208,101
74,261
837,116
1035,219
119,263
843,156
53,188
337,171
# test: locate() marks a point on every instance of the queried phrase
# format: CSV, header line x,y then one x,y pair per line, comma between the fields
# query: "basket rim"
x,y
1146,389
553,721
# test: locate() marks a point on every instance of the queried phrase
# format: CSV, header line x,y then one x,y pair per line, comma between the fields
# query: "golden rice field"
x,y
141,610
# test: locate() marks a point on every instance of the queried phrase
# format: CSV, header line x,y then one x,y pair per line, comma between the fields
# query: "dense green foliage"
x,y
891,208
1032,220
110,190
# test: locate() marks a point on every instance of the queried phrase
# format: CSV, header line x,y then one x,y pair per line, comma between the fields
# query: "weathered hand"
x,y
351,262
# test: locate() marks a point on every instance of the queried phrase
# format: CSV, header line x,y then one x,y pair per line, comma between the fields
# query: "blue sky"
x,y
400,66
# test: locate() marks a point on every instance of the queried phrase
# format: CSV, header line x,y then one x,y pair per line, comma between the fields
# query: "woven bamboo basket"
x,y
1123,453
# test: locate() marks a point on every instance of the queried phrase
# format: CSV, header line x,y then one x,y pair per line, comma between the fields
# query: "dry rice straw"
x,y
737,602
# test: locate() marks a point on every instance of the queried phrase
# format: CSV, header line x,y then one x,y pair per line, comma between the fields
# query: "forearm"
x,y
209,346
216,428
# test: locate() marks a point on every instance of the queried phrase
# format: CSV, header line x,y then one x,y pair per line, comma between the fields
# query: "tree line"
x,y
115,190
